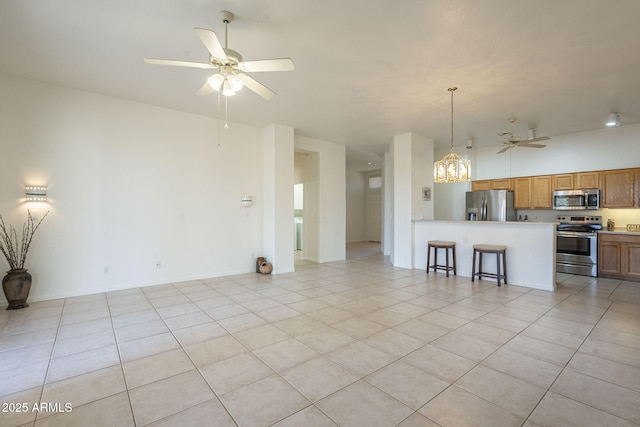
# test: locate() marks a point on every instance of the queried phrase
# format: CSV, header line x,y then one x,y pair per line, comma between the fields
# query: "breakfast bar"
x,y
530,254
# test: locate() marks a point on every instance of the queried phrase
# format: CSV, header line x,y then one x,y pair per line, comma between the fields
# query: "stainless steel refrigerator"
x,y
490,205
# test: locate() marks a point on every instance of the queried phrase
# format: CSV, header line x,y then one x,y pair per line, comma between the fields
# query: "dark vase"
x,y
16,286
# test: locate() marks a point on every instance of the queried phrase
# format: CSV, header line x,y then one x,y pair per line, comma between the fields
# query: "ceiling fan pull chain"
x,y
226,109
218,123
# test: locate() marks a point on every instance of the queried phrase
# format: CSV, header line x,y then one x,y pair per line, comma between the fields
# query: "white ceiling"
x,y
366,70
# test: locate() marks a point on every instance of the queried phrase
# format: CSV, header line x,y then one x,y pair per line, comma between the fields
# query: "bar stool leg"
x,y
446,250
435,259
428,258
498,268
455,272
473,270
504,265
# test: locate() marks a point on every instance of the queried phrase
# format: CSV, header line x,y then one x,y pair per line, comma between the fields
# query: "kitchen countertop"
x,y
487,222
620,230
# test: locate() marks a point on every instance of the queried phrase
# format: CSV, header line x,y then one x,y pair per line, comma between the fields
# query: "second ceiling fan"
x,y
511,140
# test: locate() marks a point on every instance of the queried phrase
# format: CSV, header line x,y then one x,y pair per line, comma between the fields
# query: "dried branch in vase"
x,y
16,254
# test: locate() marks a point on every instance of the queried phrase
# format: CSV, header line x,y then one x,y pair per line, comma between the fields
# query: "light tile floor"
x,y
351,343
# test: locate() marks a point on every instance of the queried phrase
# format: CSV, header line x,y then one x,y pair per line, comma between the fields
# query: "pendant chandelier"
x,y
452,168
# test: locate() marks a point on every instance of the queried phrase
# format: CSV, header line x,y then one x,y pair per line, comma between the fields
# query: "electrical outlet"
x,y
106,269
158,264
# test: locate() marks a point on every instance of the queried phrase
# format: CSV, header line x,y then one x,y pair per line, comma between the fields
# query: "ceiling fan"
x,y
511,140
230,65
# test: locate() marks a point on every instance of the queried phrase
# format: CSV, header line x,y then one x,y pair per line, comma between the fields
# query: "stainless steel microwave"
x,y
565,200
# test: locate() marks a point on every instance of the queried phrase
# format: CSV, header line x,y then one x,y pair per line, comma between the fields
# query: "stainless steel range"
x,y
577,244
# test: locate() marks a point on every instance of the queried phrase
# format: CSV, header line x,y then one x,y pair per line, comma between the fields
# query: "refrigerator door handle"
x,y
483,209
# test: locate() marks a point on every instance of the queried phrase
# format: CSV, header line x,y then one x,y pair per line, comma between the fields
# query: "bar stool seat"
x,y
500,252
441,244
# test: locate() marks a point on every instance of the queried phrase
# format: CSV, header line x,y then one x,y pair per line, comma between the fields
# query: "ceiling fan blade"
x,y
280,64
526,144
206,89
156,61
537,139
505,149
211,42
256,86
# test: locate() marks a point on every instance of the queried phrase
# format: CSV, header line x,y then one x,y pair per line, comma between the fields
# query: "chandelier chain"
x,y
452,89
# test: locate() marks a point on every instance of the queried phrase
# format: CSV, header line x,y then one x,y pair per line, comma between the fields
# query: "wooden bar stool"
x,y
441,244
490,249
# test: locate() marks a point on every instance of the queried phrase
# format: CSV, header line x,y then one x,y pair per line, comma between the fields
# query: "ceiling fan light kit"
x,y
452,168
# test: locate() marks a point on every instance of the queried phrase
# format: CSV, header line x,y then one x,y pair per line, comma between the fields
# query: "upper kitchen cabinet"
x,y
481,185
586,180
501,184
541,192
576,181
619,188
522,193
564,182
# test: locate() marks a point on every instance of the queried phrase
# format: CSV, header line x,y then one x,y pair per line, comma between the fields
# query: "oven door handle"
x,y
575,234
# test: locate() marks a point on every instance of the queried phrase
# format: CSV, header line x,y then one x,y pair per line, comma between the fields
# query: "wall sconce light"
x,y
35,193
613,120
247,201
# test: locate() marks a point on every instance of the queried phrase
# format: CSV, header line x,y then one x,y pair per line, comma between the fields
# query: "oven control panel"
x,y
578,219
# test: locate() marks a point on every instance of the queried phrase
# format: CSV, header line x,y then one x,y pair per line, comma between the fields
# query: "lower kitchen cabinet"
x,y
619,256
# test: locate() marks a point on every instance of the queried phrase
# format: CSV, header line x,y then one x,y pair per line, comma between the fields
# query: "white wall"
x,y
310,175
607,148
356,206
387,191
421,176
129,185
409,153
277,175
331,197
402,236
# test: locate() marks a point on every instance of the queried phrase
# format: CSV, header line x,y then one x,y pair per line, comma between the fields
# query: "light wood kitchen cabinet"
x,y
501,184
564,182
541,192
481,185
619,256
522,193
586,180
619,188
